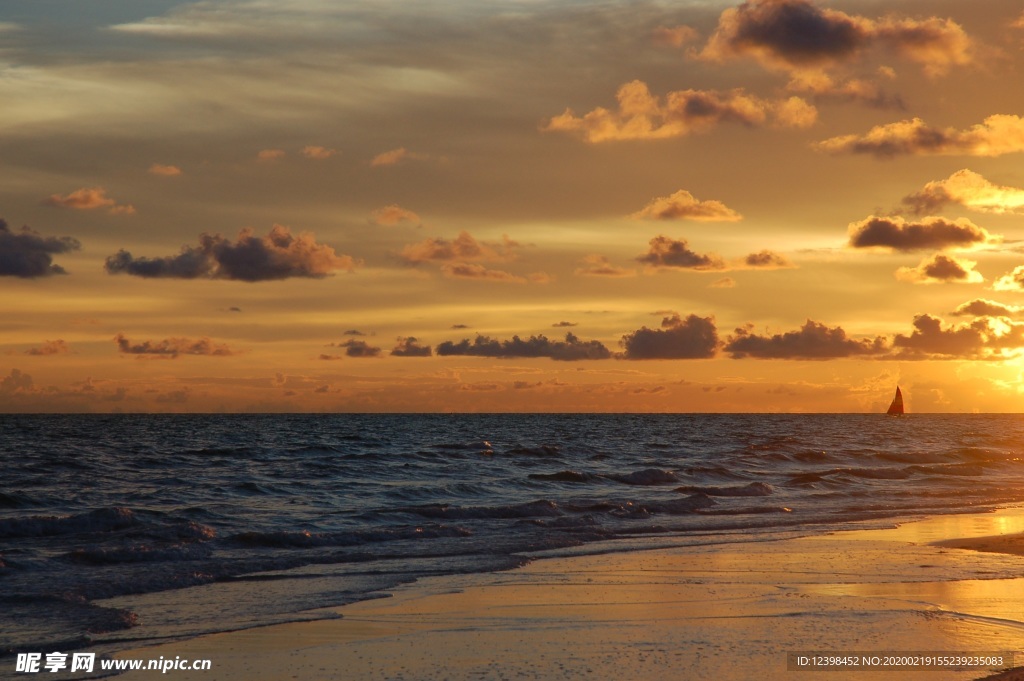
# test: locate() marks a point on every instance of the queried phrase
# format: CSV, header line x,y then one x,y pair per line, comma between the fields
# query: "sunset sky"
x,y
517,205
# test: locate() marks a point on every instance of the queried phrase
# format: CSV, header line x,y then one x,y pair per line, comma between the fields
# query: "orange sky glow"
x,y
544,205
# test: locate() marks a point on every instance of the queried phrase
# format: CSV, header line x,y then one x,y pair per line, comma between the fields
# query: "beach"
x,y
734,610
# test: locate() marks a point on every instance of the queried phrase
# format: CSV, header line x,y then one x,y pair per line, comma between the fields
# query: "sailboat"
x,y
896,408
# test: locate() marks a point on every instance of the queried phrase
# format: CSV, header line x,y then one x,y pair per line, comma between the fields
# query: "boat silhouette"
x,y
896,408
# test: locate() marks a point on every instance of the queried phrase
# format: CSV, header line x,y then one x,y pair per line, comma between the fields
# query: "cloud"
x,y
171,348
969,189
270,154
563,325
691,338
683,206
941,269
571,349
599,266
985,338
666,252
54,347
981,307
539,277
1012,281
410,347
396,157
813,341
462,270
90,198
462,248
359,348
895,233
279,255
767,260
353,332
642,116
675,36
173,397
165,171
724,282
16,382
797,35
821,85
27,254
997,135
392,215
319,153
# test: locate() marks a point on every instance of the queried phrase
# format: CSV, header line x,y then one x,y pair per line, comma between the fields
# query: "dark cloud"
x,y
798,35
666,252
980,307
1011,281
571,349
969,189
996,135
463,248
459,326
766,260
564,324
941,269
353,332
945,268
410,347
928,233
642,115
825,88
978,340
595,265
171,348
16,381
54,347
464,270
813,341
27,254
933,198
279,255
794,32
358,348
691,338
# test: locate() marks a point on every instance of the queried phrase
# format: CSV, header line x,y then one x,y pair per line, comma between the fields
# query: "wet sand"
x,y
728,611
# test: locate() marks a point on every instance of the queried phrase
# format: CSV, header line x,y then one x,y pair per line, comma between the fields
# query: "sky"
x,y
518,205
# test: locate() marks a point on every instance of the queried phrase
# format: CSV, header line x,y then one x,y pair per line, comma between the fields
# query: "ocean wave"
x,y
754,489
139,553
100,520
306,539
566,476
649,476
531,509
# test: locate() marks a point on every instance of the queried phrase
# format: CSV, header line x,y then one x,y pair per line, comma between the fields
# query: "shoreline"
x,y
722,611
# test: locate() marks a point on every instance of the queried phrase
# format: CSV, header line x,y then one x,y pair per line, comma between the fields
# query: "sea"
x,y
119,531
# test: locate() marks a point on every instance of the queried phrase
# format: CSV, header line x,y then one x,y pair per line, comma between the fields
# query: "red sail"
x,y
897,403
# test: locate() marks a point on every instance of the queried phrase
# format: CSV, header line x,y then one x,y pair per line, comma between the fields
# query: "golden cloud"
x,y
683,206
642,116
997,135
